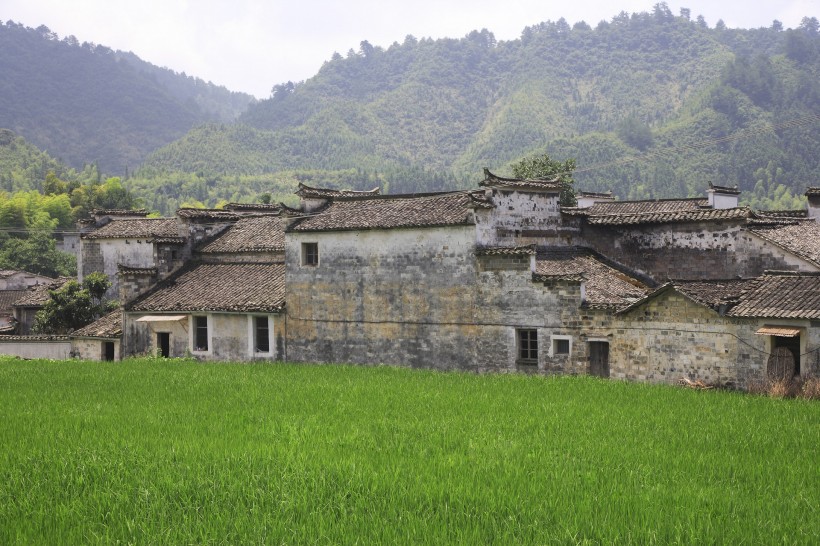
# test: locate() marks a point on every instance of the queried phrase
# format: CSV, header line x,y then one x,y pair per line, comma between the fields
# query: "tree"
x,y
73,305
543,168
37,252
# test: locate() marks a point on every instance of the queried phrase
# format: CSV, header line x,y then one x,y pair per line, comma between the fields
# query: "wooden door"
x,y
599,358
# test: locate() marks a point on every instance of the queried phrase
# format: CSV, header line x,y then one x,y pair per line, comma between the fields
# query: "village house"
x,y
500,278
504,279
226,303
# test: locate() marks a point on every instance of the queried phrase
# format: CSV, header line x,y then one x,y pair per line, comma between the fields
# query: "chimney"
x,y
721,197
813,195
587,198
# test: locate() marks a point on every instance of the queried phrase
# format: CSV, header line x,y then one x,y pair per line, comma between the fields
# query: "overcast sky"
x,y
250,45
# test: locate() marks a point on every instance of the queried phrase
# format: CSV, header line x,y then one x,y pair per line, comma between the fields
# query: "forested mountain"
x,y
649,104
85,103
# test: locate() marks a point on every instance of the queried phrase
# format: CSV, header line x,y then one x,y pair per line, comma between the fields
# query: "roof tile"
x,y
231,287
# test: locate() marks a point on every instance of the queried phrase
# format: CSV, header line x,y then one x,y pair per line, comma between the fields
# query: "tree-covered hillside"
x,y
85,103
649,104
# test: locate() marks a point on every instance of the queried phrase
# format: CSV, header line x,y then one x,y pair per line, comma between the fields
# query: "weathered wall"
x,y
520,219
105,254
92,349
230,337
757,255
422,298
709,250
395,296
671,251
22,280
45,347
140,338
670,338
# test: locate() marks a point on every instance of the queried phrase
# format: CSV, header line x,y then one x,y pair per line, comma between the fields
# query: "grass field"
x,y
175,452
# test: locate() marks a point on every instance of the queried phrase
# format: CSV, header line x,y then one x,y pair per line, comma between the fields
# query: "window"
x,y
527,346
200,334
561,345
262,335
310,254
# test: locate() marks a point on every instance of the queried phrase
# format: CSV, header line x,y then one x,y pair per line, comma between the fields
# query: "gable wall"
x,y
670,338
671,251
520,218
104,255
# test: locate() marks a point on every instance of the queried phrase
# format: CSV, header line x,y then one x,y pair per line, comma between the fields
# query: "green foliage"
x,y
147,451
73,306
668,102
544,168
34,248
85,102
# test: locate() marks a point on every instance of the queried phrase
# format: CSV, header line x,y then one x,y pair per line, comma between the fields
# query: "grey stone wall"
x,y
420,298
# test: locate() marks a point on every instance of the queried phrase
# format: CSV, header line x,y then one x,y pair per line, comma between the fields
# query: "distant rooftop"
x,y
393,211
249,234
135,228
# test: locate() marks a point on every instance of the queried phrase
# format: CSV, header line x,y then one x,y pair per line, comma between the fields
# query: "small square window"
x,y
560,346
527,346
310,254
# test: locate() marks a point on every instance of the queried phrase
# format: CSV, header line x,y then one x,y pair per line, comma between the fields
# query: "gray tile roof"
x,y
799,238
526,250
639,207
136,228
784,295
606,286
253,208
119,212
305,191
666,217
812,191
37,296
8,298
772,295
249,234
107,326
491,180
207,214
231,287
715,292
391,211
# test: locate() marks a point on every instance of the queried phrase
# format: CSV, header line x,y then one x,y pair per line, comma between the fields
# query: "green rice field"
x,y
149,451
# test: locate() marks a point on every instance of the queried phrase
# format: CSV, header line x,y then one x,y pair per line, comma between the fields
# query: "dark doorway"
x,y
164,344
784,362
108,350
599,358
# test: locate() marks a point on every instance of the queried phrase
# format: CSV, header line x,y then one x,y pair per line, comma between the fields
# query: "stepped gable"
x,y
230,287
107,326
248,234
119,212
136,228
491,180
391,211
219,215
253,208
606,286
780,295
801,238
307,192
